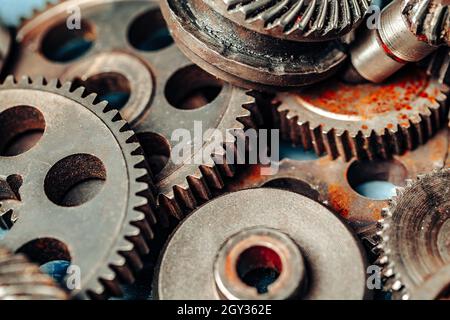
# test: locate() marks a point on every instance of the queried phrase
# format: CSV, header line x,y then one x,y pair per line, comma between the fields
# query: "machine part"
x,y
332,182
78,184
246,58
408,31
436,287
366,121
5,45
167,92
296,20
439,65
309,252
415,232
22,280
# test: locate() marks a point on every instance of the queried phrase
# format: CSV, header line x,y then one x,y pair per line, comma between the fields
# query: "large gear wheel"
x,y
167,92
333,182
78,184
22,280
262,230
366,121
246,58
415,233
298,20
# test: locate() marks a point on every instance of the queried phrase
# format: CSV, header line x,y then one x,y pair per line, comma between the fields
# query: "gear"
x,y
415,233
429,20
439,66
332,182
436,287
297,20
246,58
5,44
167,92
22,280
262,231
366,121
77,181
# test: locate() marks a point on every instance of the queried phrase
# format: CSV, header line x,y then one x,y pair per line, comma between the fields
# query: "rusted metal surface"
x,y
248,216
367,121
243,57
84,199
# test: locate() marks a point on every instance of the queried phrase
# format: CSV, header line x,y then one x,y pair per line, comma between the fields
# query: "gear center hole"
x,y
259,267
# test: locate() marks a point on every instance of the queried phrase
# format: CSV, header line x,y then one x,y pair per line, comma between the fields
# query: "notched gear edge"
x,y
136,233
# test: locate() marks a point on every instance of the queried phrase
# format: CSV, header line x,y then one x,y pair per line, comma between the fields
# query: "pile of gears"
x,y
95,93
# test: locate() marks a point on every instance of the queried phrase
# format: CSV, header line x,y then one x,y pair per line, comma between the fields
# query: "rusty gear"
x,y
22,280
158,81
282,230
366,121
415,233
297,20
84,200
246,58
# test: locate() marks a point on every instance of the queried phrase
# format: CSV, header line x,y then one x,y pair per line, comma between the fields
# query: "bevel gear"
x,y
304,245
78,183
246,58
22,280
297,20
366,121
415,233
159,81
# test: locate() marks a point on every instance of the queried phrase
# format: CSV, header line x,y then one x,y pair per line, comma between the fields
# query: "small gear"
x,y
304,247
22,280
167,92
78,183
415,233
5,45
366,121
429,20
246,58
298,20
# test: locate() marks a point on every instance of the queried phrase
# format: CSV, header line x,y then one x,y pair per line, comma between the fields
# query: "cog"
x,y
22,280
298,20
82,183
366,121
415,233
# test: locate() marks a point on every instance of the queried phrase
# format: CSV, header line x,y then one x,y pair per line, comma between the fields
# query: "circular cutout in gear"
x,y
101,230
282,229
416,234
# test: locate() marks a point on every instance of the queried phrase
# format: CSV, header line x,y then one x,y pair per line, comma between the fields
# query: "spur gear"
x,y
167,92
415,233
78,184
297,20
306,249
22,280
366,121
246,58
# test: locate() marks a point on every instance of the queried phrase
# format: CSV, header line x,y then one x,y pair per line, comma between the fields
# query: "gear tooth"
x,y
91,98
9,81
79,92
66,86
24,80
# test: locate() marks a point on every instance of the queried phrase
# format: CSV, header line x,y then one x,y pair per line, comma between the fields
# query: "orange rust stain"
x,y
369,100
339,200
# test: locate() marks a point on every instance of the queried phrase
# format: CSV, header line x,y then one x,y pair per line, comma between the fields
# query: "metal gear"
x,y
262,229
366,121
246,58
78,183
436,287
5,45
415,233
22,280
158,80
332,182
297,20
